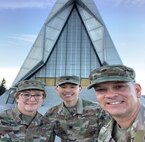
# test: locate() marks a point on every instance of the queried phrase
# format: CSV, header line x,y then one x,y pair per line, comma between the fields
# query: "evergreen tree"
x,y
2,86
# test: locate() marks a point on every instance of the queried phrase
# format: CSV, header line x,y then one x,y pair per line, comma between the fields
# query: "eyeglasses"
x,y
27,96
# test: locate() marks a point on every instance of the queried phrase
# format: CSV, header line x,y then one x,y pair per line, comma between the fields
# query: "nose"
x,y
67,89
110,93
32,98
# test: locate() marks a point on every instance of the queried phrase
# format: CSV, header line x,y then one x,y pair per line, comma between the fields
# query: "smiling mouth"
x,y
115,103
32,104
68,95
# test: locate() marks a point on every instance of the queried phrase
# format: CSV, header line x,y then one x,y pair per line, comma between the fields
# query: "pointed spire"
x,y
74,39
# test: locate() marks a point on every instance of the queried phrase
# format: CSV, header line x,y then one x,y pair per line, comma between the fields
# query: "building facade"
x,y
73,41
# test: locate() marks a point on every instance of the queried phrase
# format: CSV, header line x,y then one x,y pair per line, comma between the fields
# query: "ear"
x,y
56,88
138,90
16,100
80,88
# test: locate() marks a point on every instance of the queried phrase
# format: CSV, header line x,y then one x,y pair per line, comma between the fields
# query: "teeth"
x,y
114,103
67,95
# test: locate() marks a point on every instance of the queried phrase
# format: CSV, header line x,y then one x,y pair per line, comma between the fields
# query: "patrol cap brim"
x,y
68,79
68,82
30,88
30,84
109,73
109,79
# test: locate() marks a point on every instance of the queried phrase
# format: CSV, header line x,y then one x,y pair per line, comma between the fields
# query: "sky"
x,y
21,21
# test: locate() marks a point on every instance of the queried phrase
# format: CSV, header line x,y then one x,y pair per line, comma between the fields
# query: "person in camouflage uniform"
x,y
23,122
120,96
75,119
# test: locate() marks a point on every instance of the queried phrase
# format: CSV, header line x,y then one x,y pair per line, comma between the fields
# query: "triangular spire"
x,y
73,40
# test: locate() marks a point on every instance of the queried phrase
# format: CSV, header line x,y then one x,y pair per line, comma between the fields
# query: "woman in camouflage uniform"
x,y
75,119
23,123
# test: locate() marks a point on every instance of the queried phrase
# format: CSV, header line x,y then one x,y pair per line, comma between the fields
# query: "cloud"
x,y
16,41
17,4
125,3
9,74
27,38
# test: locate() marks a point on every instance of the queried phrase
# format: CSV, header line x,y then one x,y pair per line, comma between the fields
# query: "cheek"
x,y
60,92
19,101
40,103
76,92
60,95
99,98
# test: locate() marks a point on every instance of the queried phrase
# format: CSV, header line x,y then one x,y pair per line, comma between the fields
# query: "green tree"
x,y
2,86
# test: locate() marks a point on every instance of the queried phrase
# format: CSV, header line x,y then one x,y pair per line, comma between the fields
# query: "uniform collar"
x,y
79,107
18,117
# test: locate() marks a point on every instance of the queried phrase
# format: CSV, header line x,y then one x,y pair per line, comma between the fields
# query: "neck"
x,y
126,122
28,113
70,103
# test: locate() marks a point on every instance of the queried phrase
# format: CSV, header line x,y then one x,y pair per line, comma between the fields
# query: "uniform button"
x,y
70,127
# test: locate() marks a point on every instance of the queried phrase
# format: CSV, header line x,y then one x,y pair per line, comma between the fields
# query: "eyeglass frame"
x,y
29,96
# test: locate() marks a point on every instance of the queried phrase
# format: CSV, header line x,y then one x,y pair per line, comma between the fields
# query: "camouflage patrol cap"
x,y
30,84
111,73
68,79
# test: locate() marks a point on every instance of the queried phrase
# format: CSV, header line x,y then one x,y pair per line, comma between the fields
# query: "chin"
x,y
116,114
31,108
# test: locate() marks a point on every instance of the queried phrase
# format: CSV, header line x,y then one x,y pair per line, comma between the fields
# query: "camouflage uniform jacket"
x,y
15,129
81,126
135,133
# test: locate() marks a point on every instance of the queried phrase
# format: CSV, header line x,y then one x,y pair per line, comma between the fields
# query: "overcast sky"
x,y
21,21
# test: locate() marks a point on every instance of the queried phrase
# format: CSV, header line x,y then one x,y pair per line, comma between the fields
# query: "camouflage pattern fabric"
x,y
111,73
14,127
68,79
83,125
30,84
135,133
